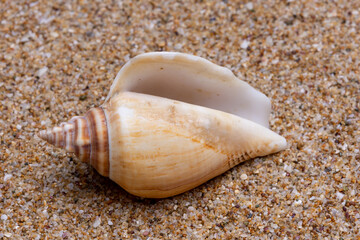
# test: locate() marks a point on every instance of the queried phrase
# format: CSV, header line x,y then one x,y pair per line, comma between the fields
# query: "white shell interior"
x,y
194,80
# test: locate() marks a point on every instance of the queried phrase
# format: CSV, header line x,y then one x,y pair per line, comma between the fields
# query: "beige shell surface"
x,y
171,122
161,147
194,80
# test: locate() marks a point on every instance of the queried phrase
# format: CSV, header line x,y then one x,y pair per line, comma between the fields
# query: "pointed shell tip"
x,y
42,134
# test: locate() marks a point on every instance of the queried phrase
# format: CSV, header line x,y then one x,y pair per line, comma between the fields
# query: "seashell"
x,y
171,122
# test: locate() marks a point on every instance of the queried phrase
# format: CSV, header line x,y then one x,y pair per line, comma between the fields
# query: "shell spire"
x,y
86,136
58,136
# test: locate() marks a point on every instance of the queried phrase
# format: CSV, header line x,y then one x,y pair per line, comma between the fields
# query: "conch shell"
x,y
171,122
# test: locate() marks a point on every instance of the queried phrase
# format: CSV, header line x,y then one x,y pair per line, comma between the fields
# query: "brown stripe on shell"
x,y
76,130
51,136
69,136
63,133
58,134
81,140
99,140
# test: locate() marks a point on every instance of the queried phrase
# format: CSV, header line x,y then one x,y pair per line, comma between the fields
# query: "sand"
x,y
58,59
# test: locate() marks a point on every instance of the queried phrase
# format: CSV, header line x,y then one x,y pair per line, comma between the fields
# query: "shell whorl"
x,y
85,136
